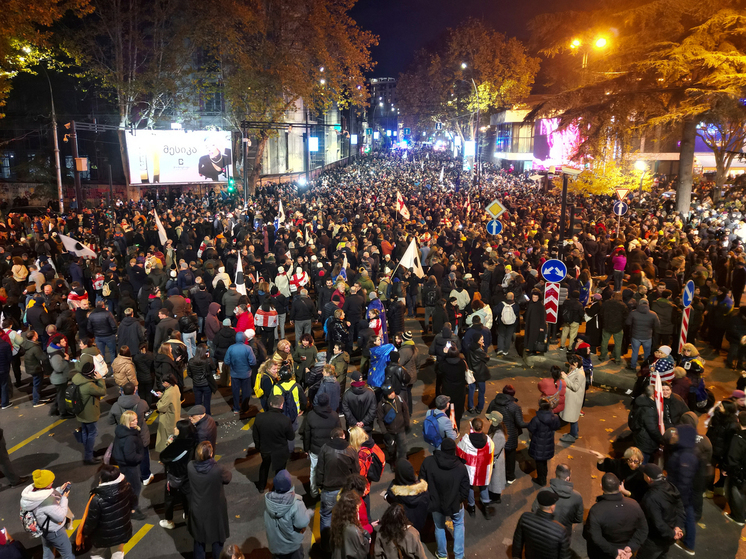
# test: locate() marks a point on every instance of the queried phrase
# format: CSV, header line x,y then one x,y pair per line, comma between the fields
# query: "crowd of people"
x,y
295,304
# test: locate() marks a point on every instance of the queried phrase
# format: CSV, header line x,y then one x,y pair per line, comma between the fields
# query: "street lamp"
x,y
599,43
640,165
476,133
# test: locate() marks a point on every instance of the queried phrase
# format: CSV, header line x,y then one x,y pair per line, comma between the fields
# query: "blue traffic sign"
x,y
688,293
554,271
494,227
620,208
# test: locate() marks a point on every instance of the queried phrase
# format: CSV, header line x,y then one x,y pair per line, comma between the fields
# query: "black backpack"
x,y
431,297
289,409
74,401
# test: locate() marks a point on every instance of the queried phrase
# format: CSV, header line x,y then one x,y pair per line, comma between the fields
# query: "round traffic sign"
x,y
494,227
688,293
554,271
620,208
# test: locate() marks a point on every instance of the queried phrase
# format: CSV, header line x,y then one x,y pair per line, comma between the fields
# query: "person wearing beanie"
x,y
664,512
498,433
224,339
410,492
539,533
448,487
49,506
285,518
643,324
316,431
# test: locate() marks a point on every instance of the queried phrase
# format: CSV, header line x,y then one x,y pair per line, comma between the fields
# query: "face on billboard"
x,y
176,156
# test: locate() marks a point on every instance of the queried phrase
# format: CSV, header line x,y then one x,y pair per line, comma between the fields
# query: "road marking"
x,y
218,457
316,530
249,424
152,417
76,523
36,436
136,538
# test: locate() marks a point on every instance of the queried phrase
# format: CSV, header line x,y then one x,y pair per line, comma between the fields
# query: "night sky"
x,y
404,26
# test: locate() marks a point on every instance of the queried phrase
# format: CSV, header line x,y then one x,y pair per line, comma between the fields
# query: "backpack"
x,y
507,314
106,289
74,399
100,366
28,519
290,409
506,280
377,463
258,392
431,297
633,419
566,314
430,429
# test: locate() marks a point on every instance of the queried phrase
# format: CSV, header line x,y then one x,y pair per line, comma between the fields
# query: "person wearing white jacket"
x,y
49,506
221,276
283,282
574,396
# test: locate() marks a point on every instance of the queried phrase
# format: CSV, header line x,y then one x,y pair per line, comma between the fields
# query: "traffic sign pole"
x,y
684,328
551,301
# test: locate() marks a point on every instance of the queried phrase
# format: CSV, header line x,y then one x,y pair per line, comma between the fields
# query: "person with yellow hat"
x,y
47,507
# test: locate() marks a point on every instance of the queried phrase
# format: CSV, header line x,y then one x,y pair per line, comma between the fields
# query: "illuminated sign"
x,y
313,143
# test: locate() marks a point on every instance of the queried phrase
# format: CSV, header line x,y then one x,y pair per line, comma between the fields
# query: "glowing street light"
x,y
322,81
463,65
575,43
600,42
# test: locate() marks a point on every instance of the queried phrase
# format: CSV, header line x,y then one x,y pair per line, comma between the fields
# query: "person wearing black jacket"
x,y
128,451
614,524
477,359
644,424
682,467
337,460
130,331
664,512
506,403
571,315
396,375
315,432
271,432
303,313
108,522
448,487
359,404
175,458
202,369
103,328
144,362
354,308
201,303
224,339
735,466
539,533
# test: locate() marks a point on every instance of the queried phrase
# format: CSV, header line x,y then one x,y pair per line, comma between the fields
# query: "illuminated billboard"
x,y
553,147
177,156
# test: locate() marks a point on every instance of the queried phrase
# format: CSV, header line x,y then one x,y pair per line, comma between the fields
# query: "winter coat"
x,y
108,522
634,480
163,365
512,417
285,517
536,324
359,405
304,358
127,449
614,523
720,432
414,498
91,392
101,323
548,387
574,396
212,323
542,427
60,365
124,370
447,482
663,510
161,331
664,308
453,374
356,544
647,435
177,304
207,495
330,387
408,359
735,461
223,340
271,431
409,547
337,460
136,404
401,420
614,315
169,412
145,368
673,408
34,357
202,303
477,359
131,334
445,427
682,465
541,536
317,427
437,348
569,507
643,322
498,480
240,358
48,505
207,430
199,371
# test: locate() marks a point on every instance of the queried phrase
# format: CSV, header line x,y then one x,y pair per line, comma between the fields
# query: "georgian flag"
x,y
161,231
467,206
240,285
400,206
659,402
280,219
411,259
73,246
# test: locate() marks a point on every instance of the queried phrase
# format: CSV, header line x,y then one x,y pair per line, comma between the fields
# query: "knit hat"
x,y
249,333
226,322
643,303
738,394
665,350
547,498
322,399
356,377
448,446
282,482
43,478
404,473
653,471
407,336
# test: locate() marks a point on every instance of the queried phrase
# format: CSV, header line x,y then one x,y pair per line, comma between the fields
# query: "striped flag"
x,y
240,285
401,206
659,402
467,206
280,219
441,175
161,231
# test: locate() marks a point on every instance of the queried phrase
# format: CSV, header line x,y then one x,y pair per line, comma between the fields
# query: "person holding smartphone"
x,y
49,507
92,389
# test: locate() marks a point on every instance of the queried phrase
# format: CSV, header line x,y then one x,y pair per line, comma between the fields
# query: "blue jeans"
x,y
37,380
203,395
200,324
690,526
472,388
411,305
240,388
111,305
89,432
57,540
646,346
102,342
199,550
574,431
5,389
618,277
484,495
439,520
190,340
145,465
328,500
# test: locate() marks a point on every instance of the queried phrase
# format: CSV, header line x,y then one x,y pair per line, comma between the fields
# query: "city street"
x,y
37,441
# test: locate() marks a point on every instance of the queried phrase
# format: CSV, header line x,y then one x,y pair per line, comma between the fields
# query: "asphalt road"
x,y
36,440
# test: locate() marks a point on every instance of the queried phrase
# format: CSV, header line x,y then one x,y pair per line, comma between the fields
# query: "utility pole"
x,y
76,173
307,147
56,148
563,211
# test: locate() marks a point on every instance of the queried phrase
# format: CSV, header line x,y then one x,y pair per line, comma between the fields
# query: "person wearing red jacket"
x,y
245,319
554,388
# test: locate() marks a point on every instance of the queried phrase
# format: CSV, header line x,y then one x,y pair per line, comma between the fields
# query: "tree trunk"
x,y
256,170
686,166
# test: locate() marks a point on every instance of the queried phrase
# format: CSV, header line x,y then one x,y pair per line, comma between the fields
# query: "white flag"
x,y
400,206
74,247
411,259
240,285
659,402
441,175
161,231
281,213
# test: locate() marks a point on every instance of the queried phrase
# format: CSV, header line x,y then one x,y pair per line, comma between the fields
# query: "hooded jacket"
x,y
359,405
33,357
664,308
317,427
337,460
643,322
569,508
48,505
542,427
647,435
512,417
683,464
240,358
212,323
91,391
136,404
447,482
60,365
130,334
614,315
223,340
127,449
285,517
124,370
663,510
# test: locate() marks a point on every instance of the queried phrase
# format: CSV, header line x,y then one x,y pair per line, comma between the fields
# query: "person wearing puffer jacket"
x,y
542,428
108,524
127,450
50,509
123,368
285,518
506,403
60,362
